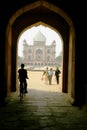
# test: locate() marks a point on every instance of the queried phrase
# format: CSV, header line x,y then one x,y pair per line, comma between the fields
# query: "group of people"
x,y
48,73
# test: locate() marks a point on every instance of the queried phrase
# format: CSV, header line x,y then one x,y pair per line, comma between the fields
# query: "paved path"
x,y
45,107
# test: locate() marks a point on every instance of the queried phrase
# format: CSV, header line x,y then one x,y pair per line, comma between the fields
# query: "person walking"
x,y
57,72
50,74
45,73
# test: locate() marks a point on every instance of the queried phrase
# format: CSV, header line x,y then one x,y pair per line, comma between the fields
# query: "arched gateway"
x,y
33,15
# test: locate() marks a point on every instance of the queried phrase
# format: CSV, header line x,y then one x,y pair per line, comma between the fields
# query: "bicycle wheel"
x,y
21,92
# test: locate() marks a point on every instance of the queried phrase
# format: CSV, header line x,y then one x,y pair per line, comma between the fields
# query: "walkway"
x,y
45,107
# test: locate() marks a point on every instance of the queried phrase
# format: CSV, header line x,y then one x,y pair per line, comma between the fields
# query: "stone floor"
x,y
45,107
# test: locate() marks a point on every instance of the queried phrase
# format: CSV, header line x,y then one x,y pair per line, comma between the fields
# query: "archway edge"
x,y
41,4
45,25
71,63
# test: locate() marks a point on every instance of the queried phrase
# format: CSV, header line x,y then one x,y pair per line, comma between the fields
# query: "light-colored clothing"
x,y
45,73
50,74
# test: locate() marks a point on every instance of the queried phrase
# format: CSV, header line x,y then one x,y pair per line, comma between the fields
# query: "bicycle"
x,y
22,90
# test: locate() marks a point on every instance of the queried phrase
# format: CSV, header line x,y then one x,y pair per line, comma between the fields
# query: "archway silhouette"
x,y
27,37
52,16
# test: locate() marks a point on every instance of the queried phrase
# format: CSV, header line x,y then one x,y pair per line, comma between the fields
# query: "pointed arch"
x,y
69,82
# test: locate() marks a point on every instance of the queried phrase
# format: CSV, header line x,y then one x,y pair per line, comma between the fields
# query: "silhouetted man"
x,y
57,72
23,76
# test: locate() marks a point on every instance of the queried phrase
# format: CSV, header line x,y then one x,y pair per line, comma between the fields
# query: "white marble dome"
x,y
39,37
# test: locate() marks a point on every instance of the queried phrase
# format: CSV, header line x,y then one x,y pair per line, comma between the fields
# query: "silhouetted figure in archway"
x,y
23,76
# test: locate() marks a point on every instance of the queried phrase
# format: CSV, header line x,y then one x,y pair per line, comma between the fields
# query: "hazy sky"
x,y
48,33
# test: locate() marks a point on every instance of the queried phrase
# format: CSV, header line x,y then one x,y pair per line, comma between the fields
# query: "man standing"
x,y
50,75
57,72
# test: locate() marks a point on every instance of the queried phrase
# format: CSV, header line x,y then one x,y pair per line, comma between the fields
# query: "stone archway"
x,y
54,17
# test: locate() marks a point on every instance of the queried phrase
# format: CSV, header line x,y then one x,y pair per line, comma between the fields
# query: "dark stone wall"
x,y
76,11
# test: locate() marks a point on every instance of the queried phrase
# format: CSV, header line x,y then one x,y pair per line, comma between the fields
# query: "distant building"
x,y
20,60
39,54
